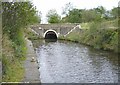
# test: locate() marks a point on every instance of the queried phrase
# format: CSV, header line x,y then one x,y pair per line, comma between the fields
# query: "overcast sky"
x,y
45,5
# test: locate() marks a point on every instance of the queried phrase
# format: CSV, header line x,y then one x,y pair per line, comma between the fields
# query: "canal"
x,y
70,62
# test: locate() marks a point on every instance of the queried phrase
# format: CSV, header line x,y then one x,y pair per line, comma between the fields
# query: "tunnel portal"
x,y
50,35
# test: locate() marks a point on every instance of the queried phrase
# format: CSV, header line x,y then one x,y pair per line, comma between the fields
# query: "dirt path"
x,y
32,74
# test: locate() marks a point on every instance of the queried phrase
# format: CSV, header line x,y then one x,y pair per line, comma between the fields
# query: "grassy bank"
x,y
13,54
102,35
15,18
31,35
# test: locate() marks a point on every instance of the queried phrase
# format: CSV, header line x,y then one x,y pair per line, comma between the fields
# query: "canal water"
x,y
70,62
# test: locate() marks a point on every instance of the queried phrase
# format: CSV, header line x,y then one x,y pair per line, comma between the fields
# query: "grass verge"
x,y
13,54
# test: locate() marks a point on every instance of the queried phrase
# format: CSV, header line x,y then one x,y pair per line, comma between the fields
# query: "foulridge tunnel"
x,y
50,34
54,31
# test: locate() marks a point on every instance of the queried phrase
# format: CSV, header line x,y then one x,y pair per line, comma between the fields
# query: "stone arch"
x,y
50,34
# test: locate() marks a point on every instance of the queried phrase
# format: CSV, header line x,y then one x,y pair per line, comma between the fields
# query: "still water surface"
x,y
69,62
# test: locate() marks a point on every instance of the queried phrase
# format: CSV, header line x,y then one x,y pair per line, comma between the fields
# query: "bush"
x,y
15,17
12,70
96,36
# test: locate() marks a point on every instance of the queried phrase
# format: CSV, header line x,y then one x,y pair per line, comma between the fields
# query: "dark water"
x,y
69,62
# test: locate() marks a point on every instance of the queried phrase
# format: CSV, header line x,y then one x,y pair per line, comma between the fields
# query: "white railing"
x,y
72,30
35,32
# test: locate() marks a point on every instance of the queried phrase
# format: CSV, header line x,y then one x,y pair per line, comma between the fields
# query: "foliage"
x,y
15,17
83,15
68,7
90,15
31,35
53,17
97,37
74,16
98,14
100,9
19,44
114,12
12,69
74,36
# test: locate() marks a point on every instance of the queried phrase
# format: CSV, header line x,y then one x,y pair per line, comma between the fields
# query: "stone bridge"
x,y
54,31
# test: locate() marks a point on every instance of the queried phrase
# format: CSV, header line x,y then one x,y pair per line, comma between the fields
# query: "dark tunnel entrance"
x,y
50,35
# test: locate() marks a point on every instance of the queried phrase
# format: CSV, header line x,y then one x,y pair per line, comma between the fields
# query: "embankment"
x,y
99,35
12,68
16,60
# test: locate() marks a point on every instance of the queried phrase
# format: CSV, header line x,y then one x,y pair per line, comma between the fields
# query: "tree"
x,y
88,15
114,12
53,17
68,7
100,9
16,16
74,16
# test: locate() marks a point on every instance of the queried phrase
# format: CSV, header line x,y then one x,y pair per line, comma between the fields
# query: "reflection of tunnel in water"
x,y
50,35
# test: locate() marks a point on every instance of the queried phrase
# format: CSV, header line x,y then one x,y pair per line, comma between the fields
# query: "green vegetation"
x,y
100,38
30,34
12,66
15,18
53,17
74,15
88,15
99,26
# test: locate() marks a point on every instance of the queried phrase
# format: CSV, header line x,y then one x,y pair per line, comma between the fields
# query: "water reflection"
x,y
67,62
50,40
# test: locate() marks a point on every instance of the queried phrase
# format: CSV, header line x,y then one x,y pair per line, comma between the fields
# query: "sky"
x,y
45,5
